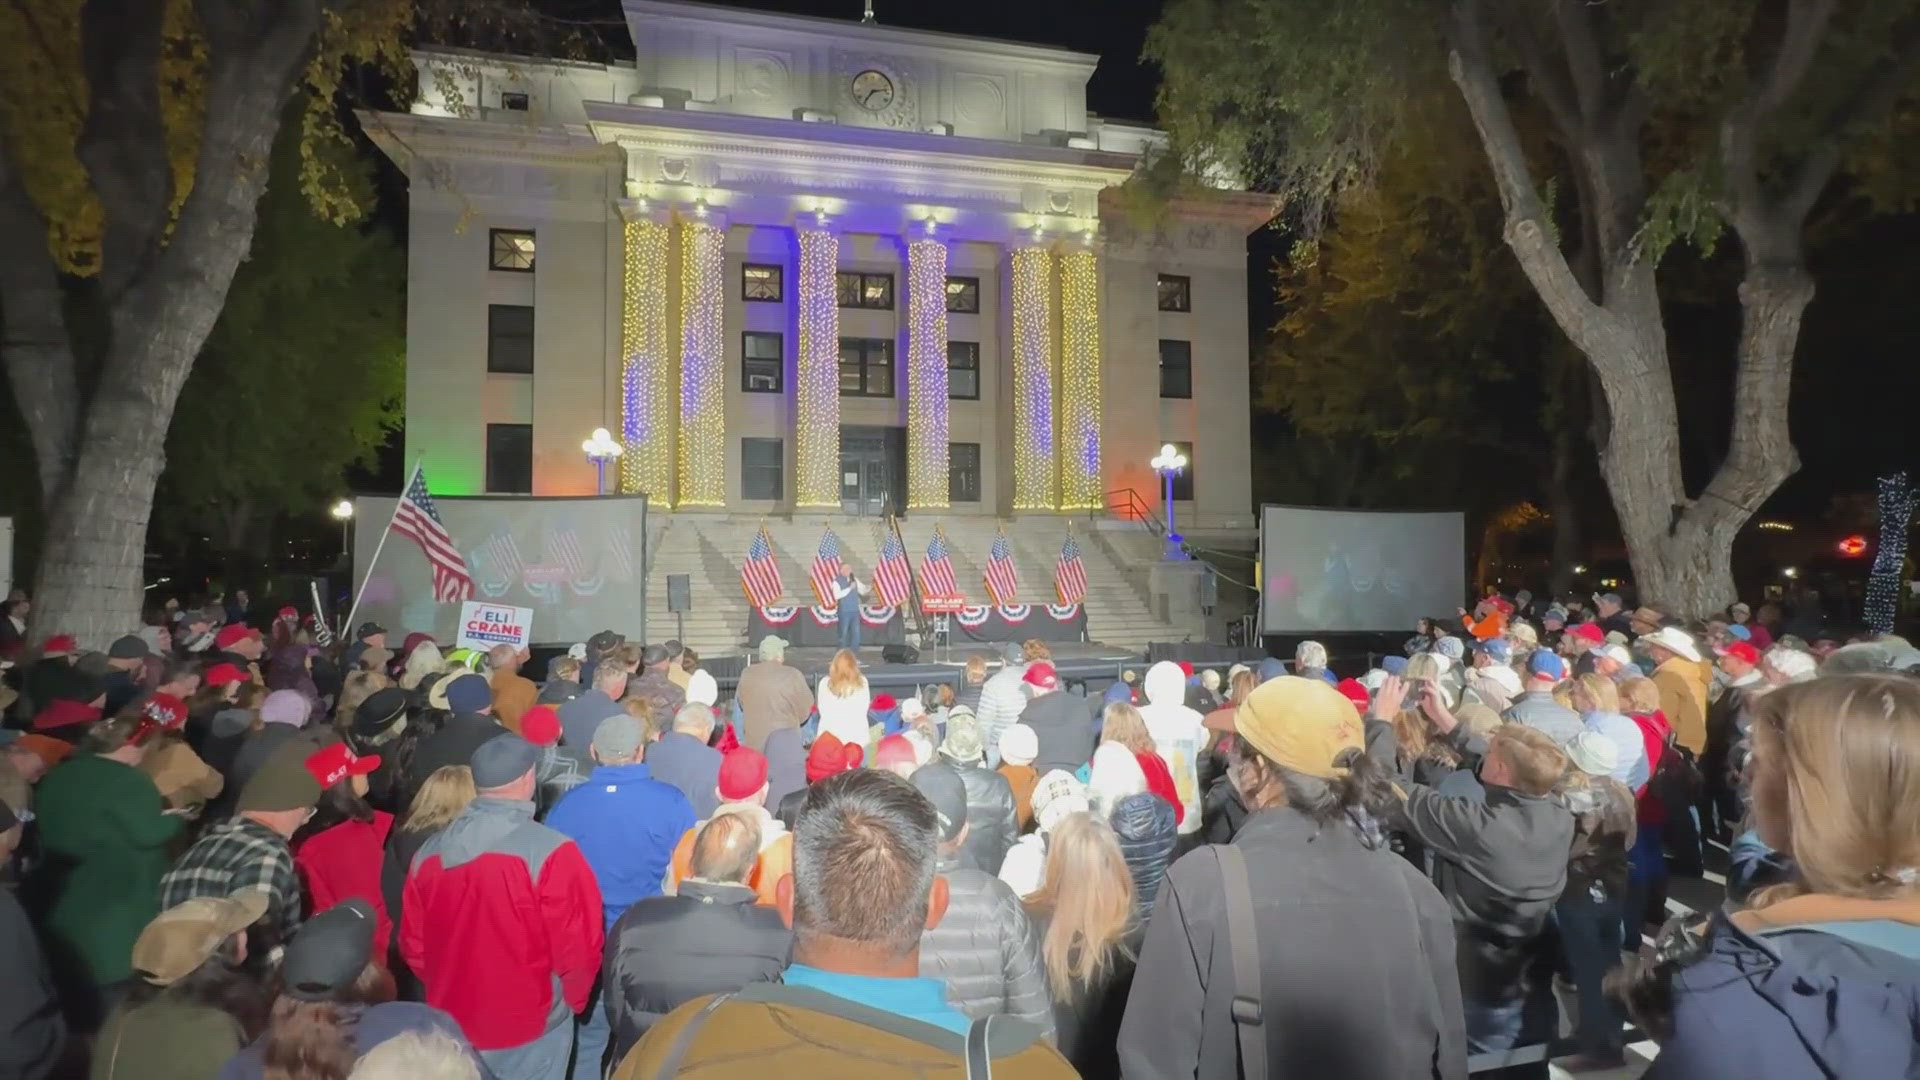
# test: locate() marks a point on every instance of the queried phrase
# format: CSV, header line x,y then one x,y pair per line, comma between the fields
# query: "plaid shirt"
x,y
234,856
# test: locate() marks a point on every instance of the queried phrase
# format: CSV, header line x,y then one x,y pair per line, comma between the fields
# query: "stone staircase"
x,y
708,549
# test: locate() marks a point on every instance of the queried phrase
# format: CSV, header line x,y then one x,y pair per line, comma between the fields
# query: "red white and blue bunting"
x,y
870,614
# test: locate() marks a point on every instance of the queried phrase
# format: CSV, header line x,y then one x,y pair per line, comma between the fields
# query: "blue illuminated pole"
x,y
1168,464
600,448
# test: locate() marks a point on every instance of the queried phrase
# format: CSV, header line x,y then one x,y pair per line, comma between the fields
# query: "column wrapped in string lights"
x,y
1033,458
816,396
703,400
646,428
927,371
1080,487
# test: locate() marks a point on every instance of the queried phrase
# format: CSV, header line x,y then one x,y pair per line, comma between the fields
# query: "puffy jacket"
x,y
1145,827
1000,704
345,861
1178,733
1538,710
986,950
667,950
499,913
991,827
1829,989
1065,732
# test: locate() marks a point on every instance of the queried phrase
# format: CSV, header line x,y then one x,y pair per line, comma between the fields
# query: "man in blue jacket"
x,y
626,823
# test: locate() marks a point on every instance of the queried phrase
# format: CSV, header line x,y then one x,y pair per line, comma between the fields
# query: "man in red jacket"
x,y
502,921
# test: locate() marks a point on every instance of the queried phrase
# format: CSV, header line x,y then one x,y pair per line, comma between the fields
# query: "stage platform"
x,y
1095,664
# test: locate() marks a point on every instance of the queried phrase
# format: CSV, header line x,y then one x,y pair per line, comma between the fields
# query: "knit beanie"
x,y
283,781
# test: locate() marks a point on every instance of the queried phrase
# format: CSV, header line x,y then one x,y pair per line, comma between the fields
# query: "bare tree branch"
x,y
124,142
34,346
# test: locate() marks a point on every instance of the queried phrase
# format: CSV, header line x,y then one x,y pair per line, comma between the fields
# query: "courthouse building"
x,y
802,265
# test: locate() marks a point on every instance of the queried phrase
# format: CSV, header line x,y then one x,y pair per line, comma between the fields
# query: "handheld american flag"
x,y
1070,573
760,575
826,566
890,574
1003,581
936,570
417,519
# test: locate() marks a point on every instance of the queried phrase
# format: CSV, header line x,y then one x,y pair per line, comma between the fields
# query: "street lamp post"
x,y
1168,464
600,448
343,513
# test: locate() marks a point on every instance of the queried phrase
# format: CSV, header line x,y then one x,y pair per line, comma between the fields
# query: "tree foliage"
x,y
1666,122
302,377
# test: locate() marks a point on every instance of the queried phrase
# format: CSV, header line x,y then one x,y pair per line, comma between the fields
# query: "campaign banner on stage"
x,y
483,625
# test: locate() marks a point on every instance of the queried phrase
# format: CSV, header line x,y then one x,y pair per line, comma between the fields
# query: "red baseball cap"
x,y
1587,631
1355,693
1186,667
288,612
829,756
233,633
743,772
883,702
893,750
1741,650
540,725
1041,674
336,761
60,643
222,674
165,710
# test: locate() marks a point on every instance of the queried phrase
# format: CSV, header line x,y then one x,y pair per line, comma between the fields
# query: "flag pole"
x,y
347,627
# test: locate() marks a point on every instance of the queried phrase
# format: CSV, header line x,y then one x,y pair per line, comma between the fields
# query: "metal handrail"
x,y
1127,505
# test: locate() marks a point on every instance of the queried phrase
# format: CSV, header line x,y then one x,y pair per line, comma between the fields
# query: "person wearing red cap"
x,y
340,852
1579,643
182,777
828,756
48,674
240,645
1060,721
1721,811
894,754
1488,618
743,790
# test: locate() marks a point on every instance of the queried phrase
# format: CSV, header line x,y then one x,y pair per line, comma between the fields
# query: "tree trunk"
x,y
1563,509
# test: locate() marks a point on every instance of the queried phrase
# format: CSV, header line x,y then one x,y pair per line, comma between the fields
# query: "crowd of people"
x,y
233,853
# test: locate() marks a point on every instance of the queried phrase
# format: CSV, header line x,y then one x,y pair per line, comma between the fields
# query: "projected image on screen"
x,y
575,562
1346,570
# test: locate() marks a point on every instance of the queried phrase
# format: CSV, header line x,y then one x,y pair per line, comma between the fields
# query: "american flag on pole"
x,y
760,575
1003,581
416,518
936,570
1070,573
891,575
826,566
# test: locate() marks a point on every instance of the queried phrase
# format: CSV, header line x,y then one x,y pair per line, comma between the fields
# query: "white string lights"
x,y
1080,487
817,369
703,463
645,427
1896,502
1033,457
927,372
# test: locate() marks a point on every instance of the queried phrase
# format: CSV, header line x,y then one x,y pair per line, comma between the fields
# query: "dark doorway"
x,y
873,470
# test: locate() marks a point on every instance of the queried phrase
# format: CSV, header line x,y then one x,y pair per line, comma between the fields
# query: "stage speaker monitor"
x,y
899,654
679,593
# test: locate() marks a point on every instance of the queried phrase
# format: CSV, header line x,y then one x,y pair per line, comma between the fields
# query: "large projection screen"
x,y
577,562
1329,571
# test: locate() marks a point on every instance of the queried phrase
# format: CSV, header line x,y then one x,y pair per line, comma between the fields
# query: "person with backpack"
x,y
1306,947
854,985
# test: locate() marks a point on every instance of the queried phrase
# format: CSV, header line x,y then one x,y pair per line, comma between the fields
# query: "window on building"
x,y
760,281
963,370
963,472
866,367
762,469
761,362
1176,369
515,101
511,249
859,290
510,459
963,295
510,338
1183,481
1176,292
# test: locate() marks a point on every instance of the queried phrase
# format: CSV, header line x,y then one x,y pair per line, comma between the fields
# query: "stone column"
x,y
817,368
1080,478
926,368
703,402
1034,462
646,397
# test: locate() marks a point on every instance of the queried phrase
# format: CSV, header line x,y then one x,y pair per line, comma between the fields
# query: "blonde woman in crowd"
x,y
843,700
1089,940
